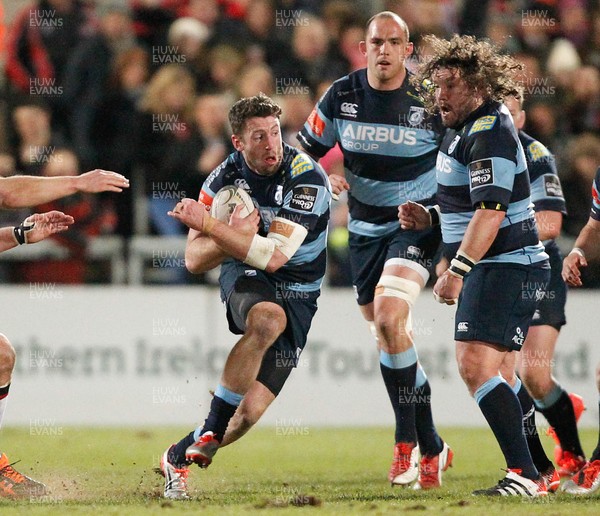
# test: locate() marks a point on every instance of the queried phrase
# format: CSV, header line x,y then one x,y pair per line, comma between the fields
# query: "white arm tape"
x,y
260,252
285,235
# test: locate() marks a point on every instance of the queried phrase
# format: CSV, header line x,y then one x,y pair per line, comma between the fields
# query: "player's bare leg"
x,y
266,321
12,483
255,403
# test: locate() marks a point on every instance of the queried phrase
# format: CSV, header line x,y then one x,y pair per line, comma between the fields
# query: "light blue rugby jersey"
x,y
483,161
389,146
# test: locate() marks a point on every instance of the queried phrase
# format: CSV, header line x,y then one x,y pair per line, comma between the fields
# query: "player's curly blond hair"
x,y
480,63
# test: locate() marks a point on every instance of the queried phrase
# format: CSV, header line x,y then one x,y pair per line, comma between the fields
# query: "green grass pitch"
x,y
305,471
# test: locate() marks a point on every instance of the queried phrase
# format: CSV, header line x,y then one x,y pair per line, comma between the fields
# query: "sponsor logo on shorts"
x,y
414,252
463,326
552,186
303,198
518,338
481,173
349,109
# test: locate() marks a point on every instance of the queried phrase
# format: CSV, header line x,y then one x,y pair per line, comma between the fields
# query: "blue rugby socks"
x,y
502,410
540,459
558,410
429,440
399,372
222,408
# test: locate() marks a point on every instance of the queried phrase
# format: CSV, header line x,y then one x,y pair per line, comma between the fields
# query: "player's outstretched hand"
x,y
413,215
192,213
101,181
570,271
46,224
246,225
338,184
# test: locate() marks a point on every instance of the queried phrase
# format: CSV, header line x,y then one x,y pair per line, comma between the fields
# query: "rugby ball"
x,y
227,199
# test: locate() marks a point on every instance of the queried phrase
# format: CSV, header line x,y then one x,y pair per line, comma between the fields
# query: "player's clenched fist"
x,y
192,213
413,216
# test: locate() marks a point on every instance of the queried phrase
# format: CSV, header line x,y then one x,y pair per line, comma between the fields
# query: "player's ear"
x,y
238,145
409,49
362,46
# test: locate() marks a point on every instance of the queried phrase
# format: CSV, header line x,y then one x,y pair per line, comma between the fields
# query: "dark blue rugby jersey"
x,y
484,160
300,192
389,147
546,190
595,212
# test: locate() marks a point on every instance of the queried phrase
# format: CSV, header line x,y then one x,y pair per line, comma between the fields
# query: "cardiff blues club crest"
x,y
453,144
416,115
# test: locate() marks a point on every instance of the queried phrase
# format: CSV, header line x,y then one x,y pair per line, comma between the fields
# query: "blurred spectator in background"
x,y
582,105
165,125
92,219
296,106
225,63
187,39
151,21
87,76
255,78
34,139
40,40
212,136
582,161
116,130
310,60
351,35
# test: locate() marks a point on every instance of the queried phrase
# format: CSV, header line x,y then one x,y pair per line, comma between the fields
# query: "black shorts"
x,y
242,287
369,254
497,303
551,308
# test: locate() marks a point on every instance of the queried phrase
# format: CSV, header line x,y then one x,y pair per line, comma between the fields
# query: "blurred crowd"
x,y
143,87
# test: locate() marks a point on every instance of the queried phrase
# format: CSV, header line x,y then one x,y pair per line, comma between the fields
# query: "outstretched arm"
x,y
23,191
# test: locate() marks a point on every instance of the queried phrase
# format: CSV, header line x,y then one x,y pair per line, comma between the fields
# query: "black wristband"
x,y
19,234
21,230
435,216
462,258
456,271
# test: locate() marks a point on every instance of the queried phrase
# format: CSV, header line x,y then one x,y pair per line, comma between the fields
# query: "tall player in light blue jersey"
x,y
498,267
389,147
